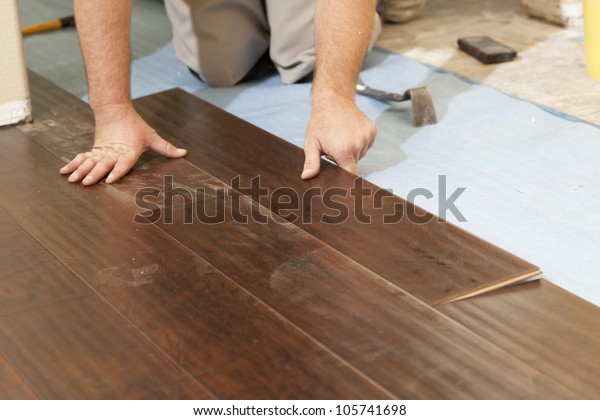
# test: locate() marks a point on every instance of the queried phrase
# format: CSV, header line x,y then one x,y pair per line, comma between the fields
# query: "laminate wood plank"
x,y
358,314
547,327
31,276
218,332
12,386
392,337
434,261
55,356
82,349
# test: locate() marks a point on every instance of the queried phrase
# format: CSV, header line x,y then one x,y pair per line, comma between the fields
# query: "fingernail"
x,y
87,179
110,178
73,177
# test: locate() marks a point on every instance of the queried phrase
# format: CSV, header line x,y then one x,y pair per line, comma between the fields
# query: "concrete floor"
x,y
550,68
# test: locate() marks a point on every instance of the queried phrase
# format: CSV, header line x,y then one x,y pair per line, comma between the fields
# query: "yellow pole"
x,y
591,18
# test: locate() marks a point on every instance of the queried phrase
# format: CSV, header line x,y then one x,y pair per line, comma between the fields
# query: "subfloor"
x,y
550,68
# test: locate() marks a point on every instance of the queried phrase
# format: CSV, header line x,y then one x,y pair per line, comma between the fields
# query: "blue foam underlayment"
x,y
532,177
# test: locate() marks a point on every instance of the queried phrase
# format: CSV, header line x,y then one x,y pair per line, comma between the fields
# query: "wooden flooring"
x,y
96,305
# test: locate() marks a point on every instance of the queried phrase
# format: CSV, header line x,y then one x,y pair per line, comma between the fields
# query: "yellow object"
x,y
591,20
41,27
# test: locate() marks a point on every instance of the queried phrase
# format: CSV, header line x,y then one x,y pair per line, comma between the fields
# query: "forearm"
x,y
103,28
342,33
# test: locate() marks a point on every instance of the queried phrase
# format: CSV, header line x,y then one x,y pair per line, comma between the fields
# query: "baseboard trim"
x,y
15,112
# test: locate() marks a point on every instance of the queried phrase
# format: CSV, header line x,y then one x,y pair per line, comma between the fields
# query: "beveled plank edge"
x,y
534,274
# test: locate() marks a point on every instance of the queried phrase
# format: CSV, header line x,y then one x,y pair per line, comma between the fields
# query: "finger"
x,y
312,161
83,169
99,171
122,166
75,162
160,145
347,162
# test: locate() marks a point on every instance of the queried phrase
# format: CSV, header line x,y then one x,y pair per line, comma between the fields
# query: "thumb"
x,y
312,161
163,147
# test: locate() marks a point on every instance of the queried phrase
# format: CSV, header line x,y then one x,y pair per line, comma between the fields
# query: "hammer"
x,y
423,110
66,22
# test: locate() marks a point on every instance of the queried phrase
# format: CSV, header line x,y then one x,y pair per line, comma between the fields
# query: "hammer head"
x,y
423,110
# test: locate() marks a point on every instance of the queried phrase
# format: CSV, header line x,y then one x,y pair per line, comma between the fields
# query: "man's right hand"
x,y
121,137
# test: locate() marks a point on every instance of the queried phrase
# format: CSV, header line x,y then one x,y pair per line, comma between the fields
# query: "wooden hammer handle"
x,y
49,26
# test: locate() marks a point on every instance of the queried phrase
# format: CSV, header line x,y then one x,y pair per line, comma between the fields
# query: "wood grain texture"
x,y
543,325
82,349
392,337
218,332
433,261
12,386
61,339
31,277
359,315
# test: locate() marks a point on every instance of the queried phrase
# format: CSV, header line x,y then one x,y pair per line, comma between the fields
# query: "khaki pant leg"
x,y
292,24
221,40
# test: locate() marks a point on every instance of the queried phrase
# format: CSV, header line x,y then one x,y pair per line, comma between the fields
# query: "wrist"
x,y
106,113
333,95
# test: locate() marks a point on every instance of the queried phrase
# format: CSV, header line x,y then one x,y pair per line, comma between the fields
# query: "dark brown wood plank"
x,y
543,325
386,333
87,352
434,261
371,323
222,335
31,277
82,349
12,386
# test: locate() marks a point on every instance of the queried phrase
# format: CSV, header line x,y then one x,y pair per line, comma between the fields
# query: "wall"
x,y
15,105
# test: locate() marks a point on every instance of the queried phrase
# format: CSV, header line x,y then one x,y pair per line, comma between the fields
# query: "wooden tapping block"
x,y
486,50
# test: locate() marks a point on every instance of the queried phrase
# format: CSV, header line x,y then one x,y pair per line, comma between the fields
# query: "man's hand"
x,y
121,137
341,132
337,128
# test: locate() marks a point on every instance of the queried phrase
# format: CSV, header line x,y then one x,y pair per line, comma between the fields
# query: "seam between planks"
x,y
277,314
96,293
18,373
